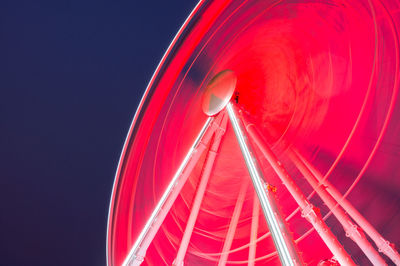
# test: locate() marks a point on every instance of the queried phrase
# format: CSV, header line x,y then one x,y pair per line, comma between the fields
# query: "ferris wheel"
x,y
268,135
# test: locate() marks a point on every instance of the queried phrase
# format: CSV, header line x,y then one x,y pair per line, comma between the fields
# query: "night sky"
x,y
71,76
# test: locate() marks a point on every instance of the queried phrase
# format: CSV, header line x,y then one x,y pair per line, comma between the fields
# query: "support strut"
x,y
233,224
138,251
212,154
383,245
284,244
307,209
349,227
254,231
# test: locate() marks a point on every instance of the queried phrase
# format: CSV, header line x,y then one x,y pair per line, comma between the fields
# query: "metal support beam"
x,y
307,209
284,244
233,224
208,166
383,245
254,231
350,228
138,251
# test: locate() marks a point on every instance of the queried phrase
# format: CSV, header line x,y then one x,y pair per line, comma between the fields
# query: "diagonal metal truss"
x,y
247,135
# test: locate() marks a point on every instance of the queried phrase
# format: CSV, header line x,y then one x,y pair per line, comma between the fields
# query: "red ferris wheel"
x,y
268,134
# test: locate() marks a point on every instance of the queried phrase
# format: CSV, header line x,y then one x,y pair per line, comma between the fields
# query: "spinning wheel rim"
x,y
177,59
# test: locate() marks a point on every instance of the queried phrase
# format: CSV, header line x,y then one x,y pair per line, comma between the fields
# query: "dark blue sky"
x,y
71,76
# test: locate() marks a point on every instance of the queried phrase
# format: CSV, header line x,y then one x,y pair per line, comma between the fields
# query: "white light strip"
x,y
174,40
165,195
268,210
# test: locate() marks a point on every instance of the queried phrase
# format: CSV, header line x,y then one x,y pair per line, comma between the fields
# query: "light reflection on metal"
x,y
308,211
218,92
212,154
284,244
350,228
138,251
383,245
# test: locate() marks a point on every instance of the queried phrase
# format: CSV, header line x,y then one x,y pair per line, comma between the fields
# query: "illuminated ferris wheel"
x,y
268,135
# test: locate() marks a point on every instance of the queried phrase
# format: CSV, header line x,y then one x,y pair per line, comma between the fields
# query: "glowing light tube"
x,y
307,209
283,243
138,251
212,154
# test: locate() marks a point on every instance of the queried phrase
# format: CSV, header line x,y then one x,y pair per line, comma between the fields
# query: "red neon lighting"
x,y
318,77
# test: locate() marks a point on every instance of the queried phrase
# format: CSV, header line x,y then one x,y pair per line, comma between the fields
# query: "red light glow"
x,y
318,79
